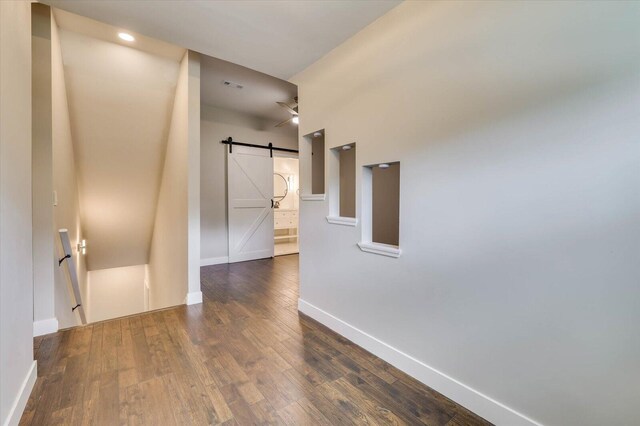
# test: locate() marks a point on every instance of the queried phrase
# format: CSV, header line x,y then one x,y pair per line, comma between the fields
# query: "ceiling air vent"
x,y
232,84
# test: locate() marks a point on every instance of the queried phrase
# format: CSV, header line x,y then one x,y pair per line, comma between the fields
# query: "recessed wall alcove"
x,y
381,209
342,185
314,185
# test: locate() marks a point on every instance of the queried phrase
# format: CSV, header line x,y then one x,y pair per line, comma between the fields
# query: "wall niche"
x,y
381,209
342,185
314,188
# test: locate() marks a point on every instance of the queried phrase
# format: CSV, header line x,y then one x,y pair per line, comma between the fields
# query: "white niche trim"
x,y
340,220
381,249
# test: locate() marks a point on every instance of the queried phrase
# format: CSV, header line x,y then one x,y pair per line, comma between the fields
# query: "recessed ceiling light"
x,y
317,134
295,119
126,37
383,166
346,147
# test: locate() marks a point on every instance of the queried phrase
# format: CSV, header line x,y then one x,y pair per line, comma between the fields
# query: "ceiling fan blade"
x,y
284,122
288,108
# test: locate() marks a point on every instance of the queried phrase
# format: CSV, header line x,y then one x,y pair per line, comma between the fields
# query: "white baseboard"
x,y
43,327
252,255
214,261
15,413
193,298
464,395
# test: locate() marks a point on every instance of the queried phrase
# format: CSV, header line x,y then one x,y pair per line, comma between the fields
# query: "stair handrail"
x,y
73,275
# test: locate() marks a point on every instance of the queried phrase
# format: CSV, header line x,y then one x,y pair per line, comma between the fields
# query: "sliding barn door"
x,y
249,194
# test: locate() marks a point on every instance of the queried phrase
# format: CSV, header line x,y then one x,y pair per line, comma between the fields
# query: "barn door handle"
x,y
272,203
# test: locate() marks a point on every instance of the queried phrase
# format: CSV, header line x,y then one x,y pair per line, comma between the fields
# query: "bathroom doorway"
x,y
286,184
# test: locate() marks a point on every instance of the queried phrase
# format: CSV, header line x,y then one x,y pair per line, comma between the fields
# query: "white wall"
x,y
42,162
517,128
174,249
65,183
115,292
216,125
17,367
194,295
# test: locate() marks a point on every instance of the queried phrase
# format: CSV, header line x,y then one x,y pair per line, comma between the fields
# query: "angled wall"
x,y
17,367
66,212
120,98
174,263
44,316
55,181
516,125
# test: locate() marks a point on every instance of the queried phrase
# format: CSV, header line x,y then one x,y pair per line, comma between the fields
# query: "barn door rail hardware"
x,y
229,141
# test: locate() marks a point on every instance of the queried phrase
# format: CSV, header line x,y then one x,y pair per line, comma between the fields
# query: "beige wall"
x,y
171,273
115,292
385,204
516,125
42,162
216,125
17,368
65,183
194,294
54,169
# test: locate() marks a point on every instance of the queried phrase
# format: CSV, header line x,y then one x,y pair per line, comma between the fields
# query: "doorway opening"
x,y
249,164
286,193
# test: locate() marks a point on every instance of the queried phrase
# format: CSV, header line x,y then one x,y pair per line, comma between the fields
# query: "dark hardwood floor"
x,y
243,357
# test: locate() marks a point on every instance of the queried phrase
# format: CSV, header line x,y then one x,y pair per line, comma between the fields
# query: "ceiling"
x,y
101,31
120,99
257,97
279,38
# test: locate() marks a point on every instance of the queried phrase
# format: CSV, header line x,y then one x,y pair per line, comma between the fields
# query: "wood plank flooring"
x,y
243,357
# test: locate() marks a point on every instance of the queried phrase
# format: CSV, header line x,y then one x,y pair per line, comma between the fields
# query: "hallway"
x,y
242,357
